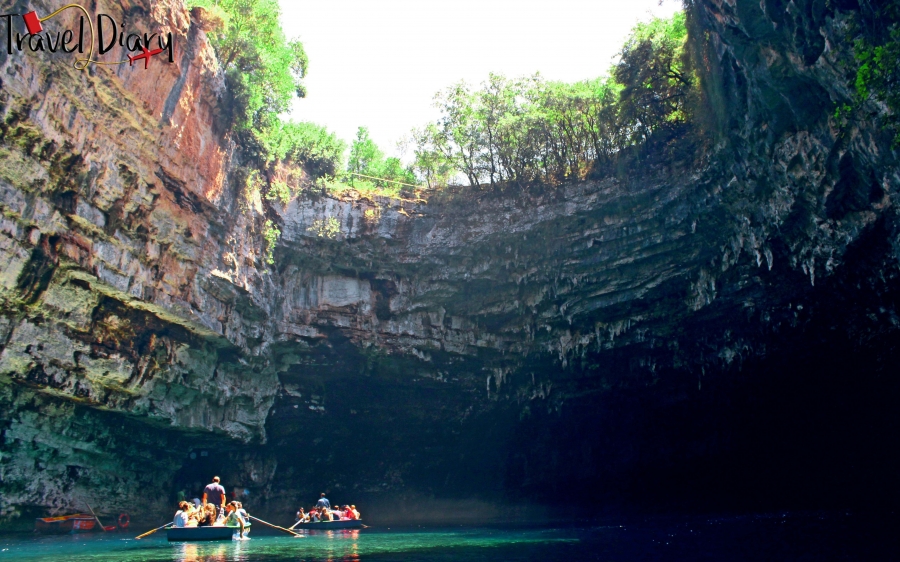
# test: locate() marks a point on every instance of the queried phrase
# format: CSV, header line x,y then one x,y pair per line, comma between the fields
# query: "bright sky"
x,y
378,63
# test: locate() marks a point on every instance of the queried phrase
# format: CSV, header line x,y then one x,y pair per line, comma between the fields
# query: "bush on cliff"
x,y
875,32
879,77
320,152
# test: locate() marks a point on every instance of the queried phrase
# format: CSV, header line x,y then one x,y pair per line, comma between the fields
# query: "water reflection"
x,y
351,535
222,552
346,545
342,545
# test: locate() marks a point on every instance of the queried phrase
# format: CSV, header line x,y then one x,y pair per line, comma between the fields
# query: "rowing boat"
x,y
180,534
330,525
76,523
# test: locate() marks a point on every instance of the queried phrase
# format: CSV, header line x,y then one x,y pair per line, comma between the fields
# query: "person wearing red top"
x,y
348,513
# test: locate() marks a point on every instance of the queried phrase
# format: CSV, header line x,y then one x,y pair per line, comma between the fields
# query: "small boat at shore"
x,y
330,525
182,534
75,523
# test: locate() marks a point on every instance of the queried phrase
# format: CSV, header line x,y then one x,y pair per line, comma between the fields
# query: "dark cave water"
x,y
781,536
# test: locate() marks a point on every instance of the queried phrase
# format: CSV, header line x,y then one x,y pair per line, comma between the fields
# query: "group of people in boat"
x,y
212,511
322,511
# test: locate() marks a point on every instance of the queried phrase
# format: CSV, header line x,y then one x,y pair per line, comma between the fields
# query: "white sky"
x,y
378,63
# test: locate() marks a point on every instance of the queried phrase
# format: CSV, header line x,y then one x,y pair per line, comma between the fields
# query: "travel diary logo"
x,y
107,33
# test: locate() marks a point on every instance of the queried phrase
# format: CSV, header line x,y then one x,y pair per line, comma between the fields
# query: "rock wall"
x,y
116,212
598,336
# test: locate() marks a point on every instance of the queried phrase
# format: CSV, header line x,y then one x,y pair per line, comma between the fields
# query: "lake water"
x,y
783,536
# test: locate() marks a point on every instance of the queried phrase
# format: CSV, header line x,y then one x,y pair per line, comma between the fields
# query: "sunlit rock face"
x,y
683,330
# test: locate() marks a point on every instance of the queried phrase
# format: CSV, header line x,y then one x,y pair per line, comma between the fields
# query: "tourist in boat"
x,y
234,518
314,515
348,513
183,515
194,514
323,502
302,516
211,514
207,516
355,512
214,494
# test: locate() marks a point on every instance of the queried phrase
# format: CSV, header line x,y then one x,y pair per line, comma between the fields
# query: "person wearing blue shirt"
x,y
323,502
214,493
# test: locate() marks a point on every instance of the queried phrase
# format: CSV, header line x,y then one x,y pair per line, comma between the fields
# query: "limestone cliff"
x,y
474,343
116,213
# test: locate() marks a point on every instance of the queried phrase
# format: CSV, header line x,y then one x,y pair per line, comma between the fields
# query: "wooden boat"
x,y
331,525
76,523
179,534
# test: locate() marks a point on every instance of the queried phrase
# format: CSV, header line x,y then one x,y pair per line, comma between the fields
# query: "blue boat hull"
x,y
180,534
331,525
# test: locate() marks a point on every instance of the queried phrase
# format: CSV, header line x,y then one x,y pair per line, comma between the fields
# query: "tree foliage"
x,y
654,78
533,130
367,159
320,152
263,69
876,46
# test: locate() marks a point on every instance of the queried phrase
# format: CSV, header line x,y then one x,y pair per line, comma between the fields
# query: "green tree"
x,y
431,160
365,156
528,129
263,69
461,130
655,79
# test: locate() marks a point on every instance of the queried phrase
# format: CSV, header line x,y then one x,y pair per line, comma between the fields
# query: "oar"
x,y
166,526
97,519
266,523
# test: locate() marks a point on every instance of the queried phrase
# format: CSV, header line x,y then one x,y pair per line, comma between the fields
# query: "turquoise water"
x,y
328,545
759,537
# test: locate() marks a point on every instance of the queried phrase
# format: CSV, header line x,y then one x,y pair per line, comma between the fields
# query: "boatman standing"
x,y
214,493
323,502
